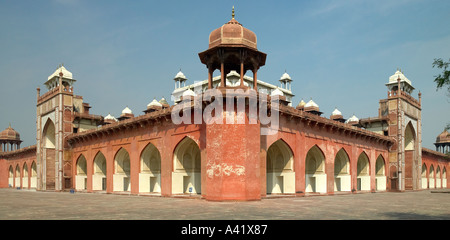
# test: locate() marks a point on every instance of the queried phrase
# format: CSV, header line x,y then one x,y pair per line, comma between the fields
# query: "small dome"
x,y
352,119
336,112
66,73
154,103
301,103
163,101
110,117
179,75
311,103
397,74
286,76
9,134
443,137
277,92
232,33
127,111
189,92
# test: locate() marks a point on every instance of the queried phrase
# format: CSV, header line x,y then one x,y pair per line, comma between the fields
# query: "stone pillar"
x,y
255,80
242,74
223,81
210,77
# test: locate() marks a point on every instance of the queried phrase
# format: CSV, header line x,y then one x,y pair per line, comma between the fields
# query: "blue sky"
x,y
125,53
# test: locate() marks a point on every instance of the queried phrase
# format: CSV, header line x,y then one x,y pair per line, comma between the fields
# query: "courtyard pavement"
x,y
37,205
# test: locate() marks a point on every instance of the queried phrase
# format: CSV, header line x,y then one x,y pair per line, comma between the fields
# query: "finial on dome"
x,y
232,13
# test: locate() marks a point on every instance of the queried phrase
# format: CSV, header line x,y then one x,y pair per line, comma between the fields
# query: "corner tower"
x,y
232,168
54,122
232,47
400,117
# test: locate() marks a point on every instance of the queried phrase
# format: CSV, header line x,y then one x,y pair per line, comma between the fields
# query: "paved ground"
x,y
36,205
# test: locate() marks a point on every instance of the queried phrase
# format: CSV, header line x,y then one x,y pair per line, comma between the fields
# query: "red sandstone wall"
x,y
298,135
436,159
3,173
27,157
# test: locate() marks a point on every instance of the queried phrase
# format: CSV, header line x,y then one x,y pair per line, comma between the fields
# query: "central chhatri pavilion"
x,y
232,47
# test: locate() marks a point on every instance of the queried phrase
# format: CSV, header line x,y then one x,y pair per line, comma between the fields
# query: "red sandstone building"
x,y
151,155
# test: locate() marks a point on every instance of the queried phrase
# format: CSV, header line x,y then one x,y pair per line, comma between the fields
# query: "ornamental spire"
x,y
232,13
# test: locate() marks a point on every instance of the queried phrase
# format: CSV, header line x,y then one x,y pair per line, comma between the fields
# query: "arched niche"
x,y
280,174
186,176
150,170
99,175
315,176
342,179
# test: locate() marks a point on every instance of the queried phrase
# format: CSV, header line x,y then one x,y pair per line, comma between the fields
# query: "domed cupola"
x,y
443,142
109,119
286,81
9,139
126,114
301,105
188,94
353,121
9,134
337,116
232,47
180,80
153,106
312,107
232,34
405,83
277,92
164,103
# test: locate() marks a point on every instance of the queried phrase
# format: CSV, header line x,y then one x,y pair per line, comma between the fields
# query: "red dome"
x,y
443,137
232,33
9,134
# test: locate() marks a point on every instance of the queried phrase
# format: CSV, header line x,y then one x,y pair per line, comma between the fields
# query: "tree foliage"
x,y
442,79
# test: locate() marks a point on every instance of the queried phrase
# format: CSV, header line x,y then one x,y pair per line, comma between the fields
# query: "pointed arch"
x,y
33,180
50,154
438,177
25,175
280,174
122,164
424,176
342,178
410,137
99,172
150,159
315,160
363,172
150,169
315,176
186,175
363,165
380,174
187,155
49,134
81,165
431,176
341,163
380,166
280,157
81,173
444,177
25,169
11,176
17,176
